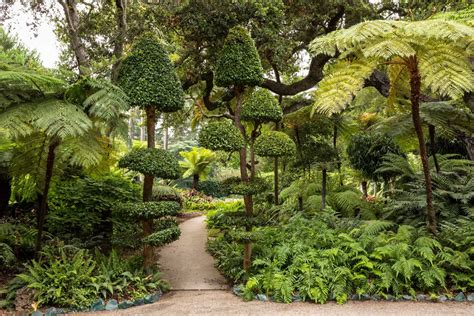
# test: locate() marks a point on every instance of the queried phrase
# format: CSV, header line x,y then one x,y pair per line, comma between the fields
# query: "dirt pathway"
x,y
223,303
185,262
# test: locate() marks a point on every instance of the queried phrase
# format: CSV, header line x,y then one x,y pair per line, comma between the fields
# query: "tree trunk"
x,y
121,19
72,24
364,189
432,131
323,189
300,203
43,208
415,86
131,129
248,201
142,128
165,133
5,192
195,181
148,256
334,144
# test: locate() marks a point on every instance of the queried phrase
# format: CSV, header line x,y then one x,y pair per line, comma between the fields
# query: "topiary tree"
x,y
238,66
158,229
275,144
149,79
221,135
261,107
366,152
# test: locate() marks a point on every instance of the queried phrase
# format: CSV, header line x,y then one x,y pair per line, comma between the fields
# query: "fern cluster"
x,y
311,260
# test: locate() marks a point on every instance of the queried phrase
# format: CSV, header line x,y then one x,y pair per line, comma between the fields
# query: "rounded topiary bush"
x,y
221,135
148,77
274,144
234,185
151,161
238,62
150,210
167,231
261,107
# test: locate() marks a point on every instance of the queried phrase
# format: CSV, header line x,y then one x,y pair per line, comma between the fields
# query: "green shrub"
x,y
234,185
149,210
152,161
221,135
274,144
81,209
261,107
211,187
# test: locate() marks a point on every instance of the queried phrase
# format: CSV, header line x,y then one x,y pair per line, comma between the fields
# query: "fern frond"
x,y
389,48
60,119
446,70
338,88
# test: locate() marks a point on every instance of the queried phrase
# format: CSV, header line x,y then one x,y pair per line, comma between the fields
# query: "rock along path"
x,y
185,262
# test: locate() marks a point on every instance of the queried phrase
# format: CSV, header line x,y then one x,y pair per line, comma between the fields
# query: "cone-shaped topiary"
x,y
221,135
261,107
149,78
274,144
151,161
238,63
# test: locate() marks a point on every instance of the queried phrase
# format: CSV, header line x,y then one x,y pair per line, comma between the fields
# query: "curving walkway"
x,y
185,262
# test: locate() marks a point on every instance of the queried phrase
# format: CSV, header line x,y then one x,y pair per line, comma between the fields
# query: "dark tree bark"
x,y
43,207
5,192
432,132
364,189
323,189
195,181
415,87
148,256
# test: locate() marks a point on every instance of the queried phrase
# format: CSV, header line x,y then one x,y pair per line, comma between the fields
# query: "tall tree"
x,y
429,56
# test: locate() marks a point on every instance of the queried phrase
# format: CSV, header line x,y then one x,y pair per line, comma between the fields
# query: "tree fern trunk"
x,y
248,201
415,86
148,187
431,130
195,181
5,192
43,208
323,189
364,189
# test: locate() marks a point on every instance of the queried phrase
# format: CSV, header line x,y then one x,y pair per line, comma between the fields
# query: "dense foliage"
x,y
274,144
157,162
148,77
261,107
220,135
238,63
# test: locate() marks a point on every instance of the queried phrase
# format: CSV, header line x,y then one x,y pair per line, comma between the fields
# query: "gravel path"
x,y
185,262
199,289
223,303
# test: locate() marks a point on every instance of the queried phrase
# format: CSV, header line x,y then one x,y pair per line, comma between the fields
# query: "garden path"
x,y
185,262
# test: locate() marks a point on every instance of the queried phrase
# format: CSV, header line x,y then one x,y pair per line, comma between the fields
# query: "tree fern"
x,y
338,87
